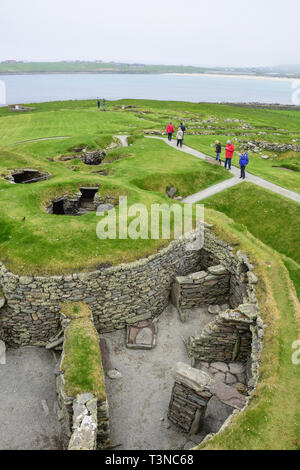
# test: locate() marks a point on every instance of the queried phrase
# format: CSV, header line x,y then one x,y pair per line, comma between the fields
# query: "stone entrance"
x,y
84,201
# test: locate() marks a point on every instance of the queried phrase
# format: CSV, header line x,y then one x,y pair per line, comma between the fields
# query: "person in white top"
x,y
179,137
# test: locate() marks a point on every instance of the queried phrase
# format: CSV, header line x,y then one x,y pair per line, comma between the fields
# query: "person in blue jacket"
x,y
244,160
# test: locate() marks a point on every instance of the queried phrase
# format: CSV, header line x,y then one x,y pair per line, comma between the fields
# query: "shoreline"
x,y
223,75
182,74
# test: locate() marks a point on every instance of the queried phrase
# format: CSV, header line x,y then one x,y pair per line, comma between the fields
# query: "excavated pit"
x,y
26,176
84,201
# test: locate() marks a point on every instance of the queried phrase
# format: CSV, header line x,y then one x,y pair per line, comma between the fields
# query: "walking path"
x,y
38,140
123,140
217,188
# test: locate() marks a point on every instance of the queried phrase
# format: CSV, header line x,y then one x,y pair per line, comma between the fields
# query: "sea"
x,y
32,88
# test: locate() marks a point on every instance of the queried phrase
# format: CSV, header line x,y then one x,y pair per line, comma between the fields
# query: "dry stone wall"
x,y
116,295
192,391
228,338
209,287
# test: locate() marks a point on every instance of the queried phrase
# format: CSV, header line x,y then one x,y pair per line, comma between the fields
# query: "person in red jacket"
x,y
229,149
170,129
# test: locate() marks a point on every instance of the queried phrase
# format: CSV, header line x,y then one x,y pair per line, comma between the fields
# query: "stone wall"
x,y
115,294
226,339
211,287
192,391
189,398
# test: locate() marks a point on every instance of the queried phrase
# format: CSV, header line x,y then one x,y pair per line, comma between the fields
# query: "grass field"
x,y
142,171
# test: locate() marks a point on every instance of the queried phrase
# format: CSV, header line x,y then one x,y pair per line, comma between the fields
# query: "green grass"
x,y
44,243
268,216
82,366
39,243
268,169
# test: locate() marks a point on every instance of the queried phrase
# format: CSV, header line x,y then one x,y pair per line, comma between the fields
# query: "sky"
x,y
188,32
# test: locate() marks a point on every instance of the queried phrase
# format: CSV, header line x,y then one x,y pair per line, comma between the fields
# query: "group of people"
x,y
229,151
103,103
180,133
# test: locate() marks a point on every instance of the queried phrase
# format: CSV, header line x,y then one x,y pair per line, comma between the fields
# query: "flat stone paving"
x,y
28,418
138,401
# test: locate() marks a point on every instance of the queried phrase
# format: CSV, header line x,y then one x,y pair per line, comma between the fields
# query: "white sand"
x,y
222,75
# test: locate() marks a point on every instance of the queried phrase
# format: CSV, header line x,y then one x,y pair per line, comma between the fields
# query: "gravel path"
x,y
228,183
28,401
38,140
123,140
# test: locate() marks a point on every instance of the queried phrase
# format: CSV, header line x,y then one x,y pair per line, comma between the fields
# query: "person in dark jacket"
x,y
183,128
98,103
244,160
218,151
104,104
170,130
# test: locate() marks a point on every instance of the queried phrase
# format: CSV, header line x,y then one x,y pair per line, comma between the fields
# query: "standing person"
x,y
170,130
229,149
244,160
183,128
104,104
179,137
218,151
98,103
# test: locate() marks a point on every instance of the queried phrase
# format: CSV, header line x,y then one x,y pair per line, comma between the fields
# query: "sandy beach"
x,y
222,75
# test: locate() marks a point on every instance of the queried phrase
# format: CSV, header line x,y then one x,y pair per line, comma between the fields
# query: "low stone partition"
x,y
211,287
191,394
189,398
80,383
234,335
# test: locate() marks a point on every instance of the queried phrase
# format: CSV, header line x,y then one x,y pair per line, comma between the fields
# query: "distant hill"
x,y
18,67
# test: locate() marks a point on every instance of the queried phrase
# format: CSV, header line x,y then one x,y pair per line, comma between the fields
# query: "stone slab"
x,y
228,395
193,378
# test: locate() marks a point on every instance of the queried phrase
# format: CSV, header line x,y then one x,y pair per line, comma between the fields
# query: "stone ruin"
x,y
192,391
20,108
133,296
228,345
26,175
93,158
84,201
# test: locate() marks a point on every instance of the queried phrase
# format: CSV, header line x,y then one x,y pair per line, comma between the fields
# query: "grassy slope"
x,y
271,421
268,216
39,244
142,171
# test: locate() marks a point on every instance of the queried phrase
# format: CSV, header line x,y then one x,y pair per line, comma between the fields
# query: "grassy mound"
x,y
271,218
